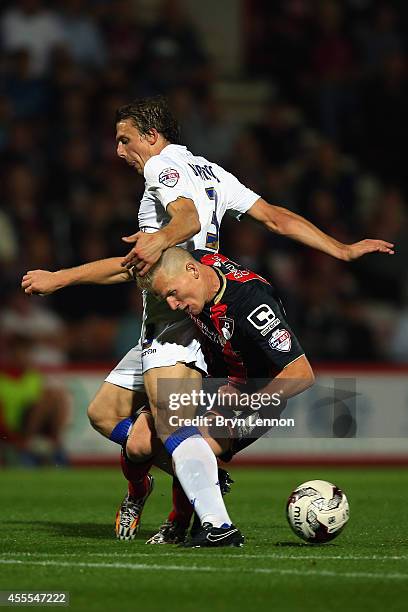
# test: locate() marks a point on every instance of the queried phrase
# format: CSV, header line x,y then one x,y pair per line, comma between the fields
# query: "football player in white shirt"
x,y
183,203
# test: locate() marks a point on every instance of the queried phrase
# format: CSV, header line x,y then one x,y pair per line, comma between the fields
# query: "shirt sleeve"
x,y
166,181
263,320
239,198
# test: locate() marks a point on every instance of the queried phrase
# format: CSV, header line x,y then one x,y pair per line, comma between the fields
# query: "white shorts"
x,y
173,342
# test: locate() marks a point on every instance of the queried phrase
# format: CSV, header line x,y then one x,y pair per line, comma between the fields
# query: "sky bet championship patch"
x,y
169,177
280,340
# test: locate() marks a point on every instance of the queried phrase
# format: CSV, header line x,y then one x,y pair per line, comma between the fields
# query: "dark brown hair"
x,y
148,113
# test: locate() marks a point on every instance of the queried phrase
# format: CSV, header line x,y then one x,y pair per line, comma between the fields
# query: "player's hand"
x,y
233,392
39,282
145,253
358,249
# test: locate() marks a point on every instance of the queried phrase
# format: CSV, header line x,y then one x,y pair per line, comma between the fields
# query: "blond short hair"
x,y
172,262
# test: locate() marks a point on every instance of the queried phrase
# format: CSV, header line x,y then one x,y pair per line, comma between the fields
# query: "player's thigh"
x,y
114,403
180,377
169,382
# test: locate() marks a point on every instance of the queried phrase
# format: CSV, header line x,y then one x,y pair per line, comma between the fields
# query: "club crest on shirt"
x,y
280,340
169,177
227,327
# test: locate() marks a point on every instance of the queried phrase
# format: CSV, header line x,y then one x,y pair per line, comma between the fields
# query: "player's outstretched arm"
x,y
184,224
102,272
287,223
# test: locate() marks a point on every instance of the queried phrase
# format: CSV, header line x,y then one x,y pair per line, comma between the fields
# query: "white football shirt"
x,y
176,172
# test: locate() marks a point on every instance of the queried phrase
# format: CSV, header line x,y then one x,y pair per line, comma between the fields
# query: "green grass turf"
x,y
56,533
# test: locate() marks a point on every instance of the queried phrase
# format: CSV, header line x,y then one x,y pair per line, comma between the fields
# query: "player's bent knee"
x,y
111,405
101,418
138,451
142,441
98,419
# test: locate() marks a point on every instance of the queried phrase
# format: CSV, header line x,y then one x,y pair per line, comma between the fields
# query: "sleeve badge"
x,y
280,340
169,177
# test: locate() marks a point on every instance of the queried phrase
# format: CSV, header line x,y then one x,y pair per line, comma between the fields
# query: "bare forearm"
x,y
180,228
298,228
102,272
287,223
184,223
292,380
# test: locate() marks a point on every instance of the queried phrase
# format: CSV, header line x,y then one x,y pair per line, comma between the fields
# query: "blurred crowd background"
x,y
312,115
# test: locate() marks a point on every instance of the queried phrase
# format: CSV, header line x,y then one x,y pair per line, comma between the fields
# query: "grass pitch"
x,y
56,533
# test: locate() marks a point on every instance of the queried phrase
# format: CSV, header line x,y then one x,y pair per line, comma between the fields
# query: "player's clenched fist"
x,y
39,282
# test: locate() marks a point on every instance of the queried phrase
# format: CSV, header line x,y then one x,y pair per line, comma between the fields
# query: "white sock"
x,y
197,470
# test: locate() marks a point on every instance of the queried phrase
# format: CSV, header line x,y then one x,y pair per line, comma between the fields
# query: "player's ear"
x,y
192,268
152,136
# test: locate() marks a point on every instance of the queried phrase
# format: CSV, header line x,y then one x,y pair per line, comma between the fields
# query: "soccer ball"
x,y
317,511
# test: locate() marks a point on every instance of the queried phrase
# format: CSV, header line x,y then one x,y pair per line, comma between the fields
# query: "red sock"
x,y
136,475
182,509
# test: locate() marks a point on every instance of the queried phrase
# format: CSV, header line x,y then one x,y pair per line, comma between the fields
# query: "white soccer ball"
x,y
317,511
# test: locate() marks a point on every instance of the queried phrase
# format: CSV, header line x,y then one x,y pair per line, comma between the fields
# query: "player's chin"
x,y
136,166
194,310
